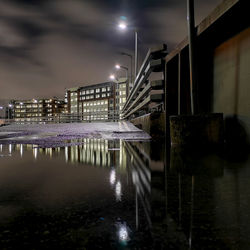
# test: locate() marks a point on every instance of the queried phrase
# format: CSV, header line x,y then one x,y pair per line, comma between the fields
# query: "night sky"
x,y
47,46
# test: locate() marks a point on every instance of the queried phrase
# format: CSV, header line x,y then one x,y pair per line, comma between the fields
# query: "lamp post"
x,y
117,66
123,26
9,108
131,65
1,108
116,99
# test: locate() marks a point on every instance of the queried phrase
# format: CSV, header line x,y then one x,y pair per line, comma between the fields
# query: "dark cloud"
x,y
46,46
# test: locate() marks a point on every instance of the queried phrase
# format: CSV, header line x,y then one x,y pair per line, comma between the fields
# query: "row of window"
x,y
95,110
92,91
31,111
96,96
29,115
95,103
33,106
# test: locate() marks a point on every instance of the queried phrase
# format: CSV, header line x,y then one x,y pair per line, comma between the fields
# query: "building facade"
x,y
98,102
37,110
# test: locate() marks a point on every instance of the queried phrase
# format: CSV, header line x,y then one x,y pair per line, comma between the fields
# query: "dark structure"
x,y
222,43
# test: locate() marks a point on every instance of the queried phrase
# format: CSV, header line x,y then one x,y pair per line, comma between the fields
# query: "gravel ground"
x,y
55,135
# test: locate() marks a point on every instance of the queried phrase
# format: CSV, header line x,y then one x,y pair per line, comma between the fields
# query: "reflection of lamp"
x,y
118,191
66,154
35,153
123,233
112,177
21,150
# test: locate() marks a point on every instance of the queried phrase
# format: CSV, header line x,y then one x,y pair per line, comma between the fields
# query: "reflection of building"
x,y
101,101
97,152
36,109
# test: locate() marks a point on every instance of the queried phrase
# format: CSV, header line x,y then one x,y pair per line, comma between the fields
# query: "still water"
x,y
122,195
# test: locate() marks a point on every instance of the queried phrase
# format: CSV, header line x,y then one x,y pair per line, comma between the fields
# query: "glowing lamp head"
x,y
21,103
122,26
10,105
117,66
112,77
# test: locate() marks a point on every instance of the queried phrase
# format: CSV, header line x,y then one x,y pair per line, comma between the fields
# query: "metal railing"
x,y
105,116
141,95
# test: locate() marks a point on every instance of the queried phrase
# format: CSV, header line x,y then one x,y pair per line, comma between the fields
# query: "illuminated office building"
x,y
37,109
102,101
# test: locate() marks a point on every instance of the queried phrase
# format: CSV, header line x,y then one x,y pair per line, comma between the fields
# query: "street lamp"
x,y
123,26
112,77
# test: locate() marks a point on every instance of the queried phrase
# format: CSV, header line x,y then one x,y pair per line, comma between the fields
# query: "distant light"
x,y
1,107
21,103
10,105
117,66
35,101
122,26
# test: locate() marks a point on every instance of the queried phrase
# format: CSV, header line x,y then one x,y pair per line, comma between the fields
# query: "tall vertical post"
x,y
131,71
136,53
191,37
179,83
127,83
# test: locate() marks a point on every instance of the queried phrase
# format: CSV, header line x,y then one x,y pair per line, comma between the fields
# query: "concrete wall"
x,y
231,79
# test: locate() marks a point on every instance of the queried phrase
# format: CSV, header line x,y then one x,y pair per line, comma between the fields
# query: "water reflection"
x,y
188,200
112,178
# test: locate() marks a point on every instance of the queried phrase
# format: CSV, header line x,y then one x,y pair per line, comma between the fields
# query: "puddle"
x,y
121,195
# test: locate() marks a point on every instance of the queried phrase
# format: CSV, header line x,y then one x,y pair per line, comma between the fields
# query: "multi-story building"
x,y
37,109
121,93
101,101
